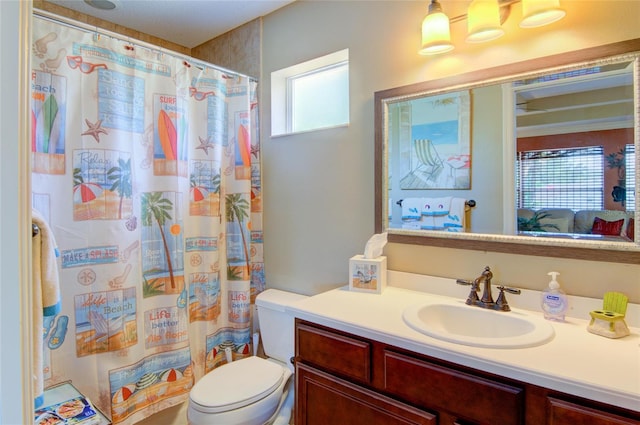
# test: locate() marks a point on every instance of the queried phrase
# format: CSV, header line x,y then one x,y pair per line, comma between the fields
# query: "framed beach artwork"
x,y
433,141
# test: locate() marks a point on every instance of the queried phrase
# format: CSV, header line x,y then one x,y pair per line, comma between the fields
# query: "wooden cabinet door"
x,y
340,354
322,399
562,412
469,399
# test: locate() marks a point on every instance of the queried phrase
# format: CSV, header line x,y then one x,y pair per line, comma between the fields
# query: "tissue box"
x,y
368,274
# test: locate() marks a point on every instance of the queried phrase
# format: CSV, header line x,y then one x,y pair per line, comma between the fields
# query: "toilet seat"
x,y
247,381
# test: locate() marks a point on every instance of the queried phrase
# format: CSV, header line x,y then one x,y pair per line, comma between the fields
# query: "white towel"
x,y
433,212
46,293
454,221
411,209
436,206
411,225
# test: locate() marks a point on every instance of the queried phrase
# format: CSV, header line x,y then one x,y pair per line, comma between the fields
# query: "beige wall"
x,y
237,50
319,186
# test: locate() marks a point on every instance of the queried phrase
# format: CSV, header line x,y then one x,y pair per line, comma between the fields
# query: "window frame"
x,y
281,105
291,98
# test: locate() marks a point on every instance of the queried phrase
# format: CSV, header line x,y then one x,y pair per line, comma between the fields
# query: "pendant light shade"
x,y
483,21
536,13
436,36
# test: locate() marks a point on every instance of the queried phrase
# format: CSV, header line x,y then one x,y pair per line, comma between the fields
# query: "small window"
x,y
312,95
561,178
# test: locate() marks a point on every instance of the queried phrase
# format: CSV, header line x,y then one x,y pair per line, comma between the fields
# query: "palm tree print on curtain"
x,y
120,176
156,212
237,212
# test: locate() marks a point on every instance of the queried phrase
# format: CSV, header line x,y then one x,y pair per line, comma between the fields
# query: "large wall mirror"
x,y
535,158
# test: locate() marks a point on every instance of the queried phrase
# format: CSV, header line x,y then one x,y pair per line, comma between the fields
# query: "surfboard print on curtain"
x,y
48,119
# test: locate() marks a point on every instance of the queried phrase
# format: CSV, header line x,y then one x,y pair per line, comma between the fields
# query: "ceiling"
x,y
594,98
188,23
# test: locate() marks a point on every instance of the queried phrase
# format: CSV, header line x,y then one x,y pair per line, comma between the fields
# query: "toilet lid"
x,y
236,384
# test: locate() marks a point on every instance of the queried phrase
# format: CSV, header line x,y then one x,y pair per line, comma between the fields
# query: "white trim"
x,y
564,128
24,212
509,223
16,384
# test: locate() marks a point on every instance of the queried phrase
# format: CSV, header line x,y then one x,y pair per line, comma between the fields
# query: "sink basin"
x,y
478,327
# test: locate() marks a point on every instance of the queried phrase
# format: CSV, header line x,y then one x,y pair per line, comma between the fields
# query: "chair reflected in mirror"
x,y
430,161
429,166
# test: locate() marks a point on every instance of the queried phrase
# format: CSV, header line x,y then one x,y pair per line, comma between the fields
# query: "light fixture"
x,y
536,13
436,37
483,21
102,4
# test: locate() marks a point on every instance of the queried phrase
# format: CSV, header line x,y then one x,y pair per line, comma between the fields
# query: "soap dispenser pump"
x,y
554,300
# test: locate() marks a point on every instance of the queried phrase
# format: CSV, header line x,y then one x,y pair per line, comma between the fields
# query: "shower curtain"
x,y
146,166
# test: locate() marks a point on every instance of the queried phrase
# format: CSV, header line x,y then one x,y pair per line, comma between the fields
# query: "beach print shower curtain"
x,y
146,166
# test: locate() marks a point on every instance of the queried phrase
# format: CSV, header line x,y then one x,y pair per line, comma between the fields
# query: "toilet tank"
x,y
276,325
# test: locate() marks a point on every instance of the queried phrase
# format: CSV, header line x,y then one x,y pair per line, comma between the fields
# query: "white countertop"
x,y
575,361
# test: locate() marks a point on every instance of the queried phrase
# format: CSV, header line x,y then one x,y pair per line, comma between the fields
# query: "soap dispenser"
x,y
554,300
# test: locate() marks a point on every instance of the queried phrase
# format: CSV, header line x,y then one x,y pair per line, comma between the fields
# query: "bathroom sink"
x,y
475,326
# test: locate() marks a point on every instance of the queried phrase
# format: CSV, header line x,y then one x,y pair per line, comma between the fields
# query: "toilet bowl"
x,y
251,391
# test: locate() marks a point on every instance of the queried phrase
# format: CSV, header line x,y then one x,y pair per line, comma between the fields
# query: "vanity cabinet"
x,y
333,383
563,412
325,399
346,379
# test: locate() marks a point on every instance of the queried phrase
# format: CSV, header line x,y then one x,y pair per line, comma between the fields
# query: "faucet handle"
x,y
465,282
472,299
509,290
501,302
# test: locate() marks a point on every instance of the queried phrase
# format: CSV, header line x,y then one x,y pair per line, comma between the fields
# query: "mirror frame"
x,y
524,245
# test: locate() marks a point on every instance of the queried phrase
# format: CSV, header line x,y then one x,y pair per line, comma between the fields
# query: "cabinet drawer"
x,y
322,399
439,388
334,352
565,413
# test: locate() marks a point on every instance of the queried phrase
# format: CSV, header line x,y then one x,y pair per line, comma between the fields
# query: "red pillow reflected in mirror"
x,y
609,228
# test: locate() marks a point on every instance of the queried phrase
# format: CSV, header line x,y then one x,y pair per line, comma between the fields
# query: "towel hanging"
x,y
45,292
470,203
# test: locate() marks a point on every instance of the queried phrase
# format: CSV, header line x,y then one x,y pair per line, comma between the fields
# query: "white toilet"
x,y
251,390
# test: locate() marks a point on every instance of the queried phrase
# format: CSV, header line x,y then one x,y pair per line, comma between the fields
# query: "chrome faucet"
x,y
487,298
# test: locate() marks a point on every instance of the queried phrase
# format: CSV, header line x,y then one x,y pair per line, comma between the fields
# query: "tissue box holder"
x,y
368,274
